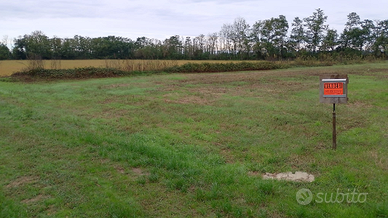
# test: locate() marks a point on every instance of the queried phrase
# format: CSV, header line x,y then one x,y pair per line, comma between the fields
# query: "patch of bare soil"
x,y
137,171
289,176
120,169
22,181
140,172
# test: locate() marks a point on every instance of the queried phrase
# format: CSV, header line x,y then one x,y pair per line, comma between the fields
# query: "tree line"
x,y
270,39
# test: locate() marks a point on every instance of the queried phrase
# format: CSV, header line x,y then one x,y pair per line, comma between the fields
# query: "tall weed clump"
x,y
140,65
225,67
77,73
35,62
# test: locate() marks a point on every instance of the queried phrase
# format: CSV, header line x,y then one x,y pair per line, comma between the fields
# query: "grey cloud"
x,y
164,18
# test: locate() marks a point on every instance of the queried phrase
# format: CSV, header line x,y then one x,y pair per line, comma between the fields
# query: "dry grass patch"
x,y
120,169
188,100
113,86
198,95
211,91
222,78
381,161
22,181
140,172
35,199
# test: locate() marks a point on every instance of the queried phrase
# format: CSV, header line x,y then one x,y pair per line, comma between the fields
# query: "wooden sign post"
x,y
333,89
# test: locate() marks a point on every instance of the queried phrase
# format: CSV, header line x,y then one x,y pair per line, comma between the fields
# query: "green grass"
x,y
192,145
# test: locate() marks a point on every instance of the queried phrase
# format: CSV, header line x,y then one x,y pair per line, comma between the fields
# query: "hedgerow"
x,y
77,73
93,72
205,67
224,67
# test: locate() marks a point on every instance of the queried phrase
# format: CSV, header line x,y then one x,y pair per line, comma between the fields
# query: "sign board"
x,y
333,89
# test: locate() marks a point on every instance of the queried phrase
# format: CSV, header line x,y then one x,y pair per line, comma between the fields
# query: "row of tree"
x,y
265,39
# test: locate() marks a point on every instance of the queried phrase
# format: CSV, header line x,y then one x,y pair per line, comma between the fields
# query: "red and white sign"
x,y
333,88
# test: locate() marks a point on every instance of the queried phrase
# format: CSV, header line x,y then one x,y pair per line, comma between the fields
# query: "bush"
x,y
92,72
78,73
224,67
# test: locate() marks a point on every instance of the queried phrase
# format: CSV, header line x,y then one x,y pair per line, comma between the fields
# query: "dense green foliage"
x,y
4,52
264,40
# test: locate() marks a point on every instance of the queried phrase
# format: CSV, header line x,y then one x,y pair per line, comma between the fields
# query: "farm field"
x,y
8,67
194,145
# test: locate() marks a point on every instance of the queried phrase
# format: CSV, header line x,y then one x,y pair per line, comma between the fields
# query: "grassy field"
x,y
8,67
193,145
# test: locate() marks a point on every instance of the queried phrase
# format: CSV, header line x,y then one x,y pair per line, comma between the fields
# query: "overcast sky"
x,y
161,19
